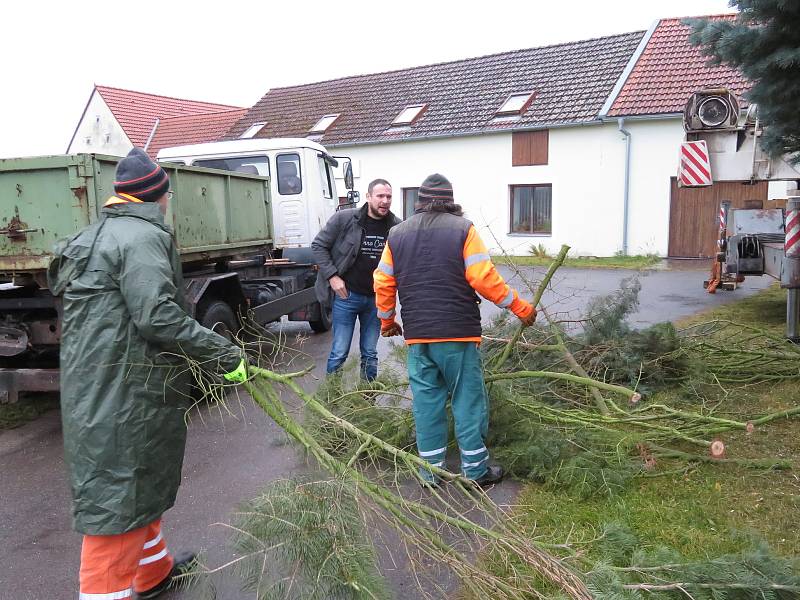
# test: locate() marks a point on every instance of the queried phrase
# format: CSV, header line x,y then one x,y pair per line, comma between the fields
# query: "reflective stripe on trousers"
x,y
113,566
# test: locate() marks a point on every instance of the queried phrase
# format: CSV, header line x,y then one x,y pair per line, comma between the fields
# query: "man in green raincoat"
x,y
125,339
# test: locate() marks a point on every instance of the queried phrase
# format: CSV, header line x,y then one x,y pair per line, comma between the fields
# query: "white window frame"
x,y
325,123
506,110
252,130
411,116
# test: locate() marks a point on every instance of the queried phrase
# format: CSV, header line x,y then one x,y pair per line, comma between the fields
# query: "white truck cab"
x,y
303,187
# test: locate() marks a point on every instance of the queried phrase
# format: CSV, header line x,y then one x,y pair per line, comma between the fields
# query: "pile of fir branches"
x,y
566,409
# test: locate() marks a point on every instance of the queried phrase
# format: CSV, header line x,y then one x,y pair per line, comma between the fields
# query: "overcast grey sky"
x,y
232,52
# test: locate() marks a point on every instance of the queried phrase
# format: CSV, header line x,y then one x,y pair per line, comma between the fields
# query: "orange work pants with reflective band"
x,y
112,566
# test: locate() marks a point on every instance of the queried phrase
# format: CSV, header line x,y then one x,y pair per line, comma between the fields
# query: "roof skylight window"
x,y
324,123
409,114
515,104
252,130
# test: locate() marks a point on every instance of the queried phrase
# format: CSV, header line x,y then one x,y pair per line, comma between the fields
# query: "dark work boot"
x,y
184,562
494,474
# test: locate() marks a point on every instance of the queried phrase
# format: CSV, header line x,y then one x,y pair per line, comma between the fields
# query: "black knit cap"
x,y
436,188
140,177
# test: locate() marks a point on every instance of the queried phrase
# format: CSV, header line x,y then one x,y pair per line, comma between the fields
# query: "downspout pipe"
x,y
627,187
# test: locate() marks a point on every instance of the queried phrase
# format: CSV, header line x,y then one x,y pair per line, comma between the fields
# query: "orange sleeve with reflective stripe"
x,y
385,286
484,278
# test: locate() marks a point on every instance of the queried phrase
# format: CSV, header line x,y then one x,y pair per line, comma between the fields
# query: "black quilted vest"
x,y
435,299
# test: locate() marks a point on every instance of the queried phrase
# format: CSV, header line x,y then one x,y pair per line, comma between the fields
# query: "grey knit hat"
x,y
138,176
436,188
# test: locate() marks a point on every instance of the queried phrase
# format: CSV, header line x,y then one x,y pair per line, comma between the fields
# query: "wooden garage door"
x,y
693,214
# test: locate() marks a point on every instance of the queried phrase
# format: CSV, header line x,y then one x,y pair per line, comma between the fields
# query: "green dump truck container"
x,y
222,222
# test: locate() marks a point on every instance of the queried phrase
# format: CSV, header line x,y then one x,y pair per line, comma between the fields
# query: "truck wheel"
x,y
219,318
324,323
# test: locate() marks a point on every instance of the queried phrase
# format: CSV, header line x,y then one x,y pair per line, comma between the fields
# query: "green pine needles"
x,y
305,540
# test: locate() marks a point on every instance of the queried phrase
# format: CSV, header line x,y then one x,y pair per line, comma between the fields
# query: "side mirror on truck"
x,y
348,175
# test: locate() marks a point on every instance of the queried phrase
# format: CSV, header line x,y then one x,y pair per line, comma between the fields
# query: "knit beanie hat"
x,y
436,188
140,177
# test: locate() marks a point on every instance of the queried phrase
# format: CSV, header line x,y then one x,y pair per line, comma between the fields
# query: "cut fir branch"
x,y
537,297
419,522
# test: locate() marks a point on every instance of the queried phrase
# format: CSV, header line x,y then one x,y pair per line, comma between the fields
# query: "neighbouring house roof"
x,y
193,129
137,112
570,83
669,70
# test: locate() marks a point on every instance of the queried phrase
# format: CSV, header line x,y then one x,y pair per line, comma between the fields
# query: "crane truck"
x,y
722,143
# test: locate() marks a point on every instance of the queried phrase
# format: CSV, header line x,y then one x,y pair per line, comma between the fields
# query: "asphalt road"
x,y
231,456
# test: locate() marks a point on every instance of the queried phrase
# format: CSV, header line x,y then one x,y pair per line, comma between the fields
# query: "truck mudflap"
x,y
14,381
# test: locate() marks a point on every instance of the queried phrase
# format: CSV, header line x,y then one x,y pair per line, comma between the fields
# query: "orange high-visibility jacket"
x,y
425,260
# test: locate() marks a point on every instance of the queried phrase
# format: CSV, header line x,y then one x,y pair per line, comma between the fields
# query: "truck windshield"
x,y
255,165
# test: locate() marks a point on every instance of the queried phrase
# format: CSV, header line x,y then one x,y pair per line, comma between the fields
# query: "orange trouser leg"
x,y
111,563
155,561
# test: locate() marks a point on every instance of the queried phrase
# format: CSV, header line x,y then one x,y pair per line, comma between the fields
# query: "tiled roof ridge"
x,y
118,89
460,60
714,16
210,113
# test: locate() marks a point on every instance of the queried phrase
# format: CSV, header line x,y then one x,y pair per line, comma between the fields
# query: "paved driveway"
x,y
229,457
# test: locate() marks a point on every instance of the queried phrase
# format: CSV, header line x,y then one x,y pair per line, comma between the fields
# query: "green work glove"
x,y
238,375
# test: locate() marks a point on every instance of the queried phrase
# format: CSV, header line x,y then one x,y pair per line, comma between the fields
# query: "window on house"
x,y
252,130
529,148
409,114
515,104
410,196
288,167
324,123
531,209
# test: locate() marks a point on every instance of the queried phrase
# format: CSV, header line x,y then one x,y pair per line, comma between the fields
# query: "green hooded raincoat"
x,y
124,378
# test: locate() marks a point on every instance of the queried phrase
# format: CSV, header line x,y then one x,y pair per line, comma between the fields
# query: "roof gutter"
x,y
627,186
655,117
628,68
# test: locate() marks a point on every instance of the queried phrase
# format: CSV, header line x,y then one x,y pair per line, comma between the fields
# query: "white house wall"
x,y
585,170
655,147
99,131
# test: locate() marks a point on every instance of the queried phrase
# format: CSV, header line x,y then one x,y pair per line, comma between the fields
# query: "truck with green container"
x,y
224,230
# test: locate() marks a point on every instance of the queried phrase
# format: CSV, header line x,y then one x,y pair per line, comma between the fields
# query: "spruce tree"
x,y
763,43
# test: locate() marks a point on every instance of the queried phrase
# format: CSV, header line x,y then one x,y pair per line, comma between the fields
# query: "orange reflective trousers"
x,y
113,566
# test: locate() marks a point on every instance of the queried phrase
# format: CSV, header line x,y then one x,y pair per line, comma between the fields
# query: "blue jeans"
x,y
344,316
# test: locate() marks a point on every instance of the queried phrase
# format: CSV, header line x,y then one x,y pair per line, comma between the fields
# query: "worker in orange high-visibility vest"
x,y
436,261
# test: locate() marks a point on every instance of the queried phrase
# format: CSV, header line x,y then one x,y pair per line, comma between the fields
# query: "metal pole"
x,y
790,274
793,316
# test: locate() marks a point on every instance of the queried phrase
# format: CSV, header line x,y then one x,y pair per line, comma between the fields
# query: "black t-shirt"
x,y
358,278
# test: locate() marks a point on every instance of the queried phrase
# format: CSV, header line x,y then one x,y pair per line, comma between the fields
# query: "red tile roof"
x,y
137,112
669,70
193,129
571,81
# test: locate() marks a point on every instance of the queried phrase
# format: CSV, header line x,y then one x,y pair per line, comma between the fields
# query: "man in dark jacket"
x,y
125,334
347,251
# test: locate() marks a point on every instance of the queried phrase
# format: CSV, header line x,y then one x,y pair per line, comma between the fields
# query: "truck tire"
x,y
219,318
324,323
